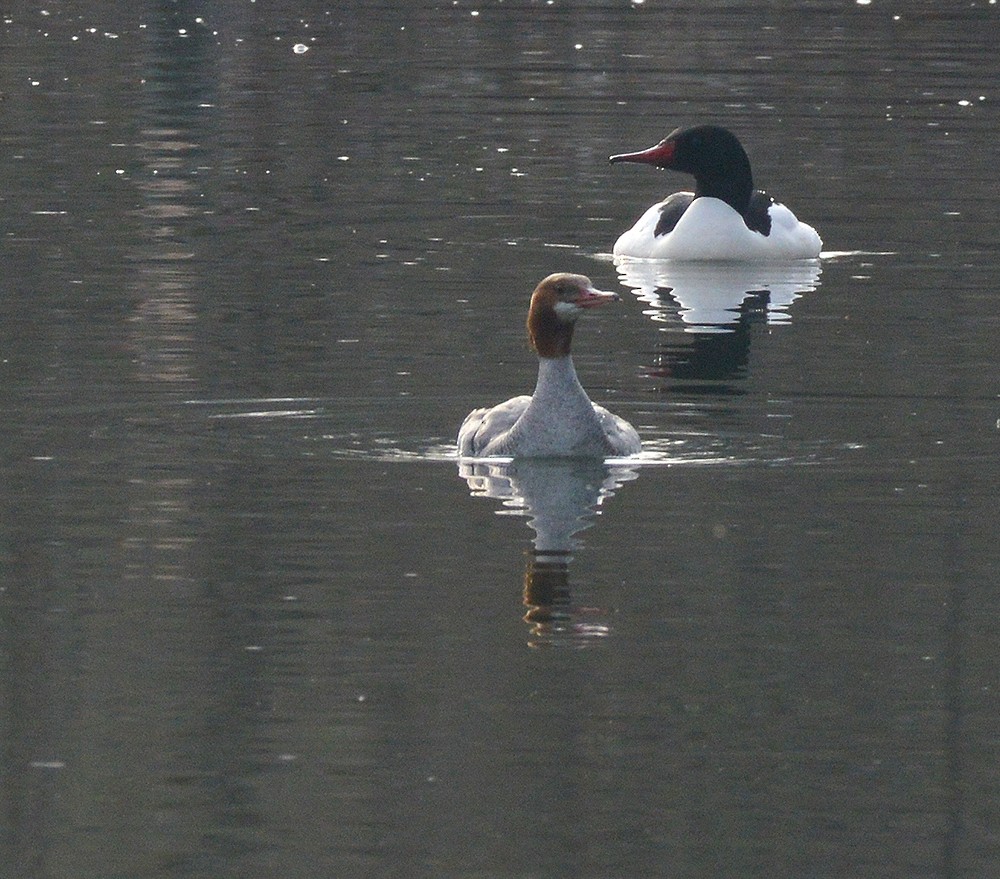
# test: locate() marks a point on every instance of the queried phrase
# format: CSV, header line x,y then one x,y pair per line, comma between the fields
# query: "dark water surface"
x,y
257,261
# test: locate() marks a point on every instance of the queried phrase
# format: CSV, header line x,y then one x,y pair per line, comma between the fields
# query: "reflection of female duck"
x,y
558,419
724,218
560,497
548,598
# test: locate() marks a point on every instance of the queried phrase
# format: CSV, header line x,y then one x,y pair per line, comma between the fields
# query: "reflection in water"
x,y
169,149
705,357
717,305
560,497
165,318
712,297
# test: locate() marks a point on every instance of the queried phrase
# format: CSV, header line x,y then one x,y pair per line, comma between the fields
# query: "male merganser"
x,y
558,420
724,218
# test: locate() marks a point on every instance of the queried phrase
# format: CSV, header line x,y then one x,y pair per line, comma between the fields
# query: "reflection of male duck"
x,y
713,296
560,497
717,305
713,358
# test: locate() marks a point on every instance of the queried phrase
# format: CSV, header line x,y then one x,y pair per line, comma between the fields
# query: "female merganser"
x,y
724,218
558,419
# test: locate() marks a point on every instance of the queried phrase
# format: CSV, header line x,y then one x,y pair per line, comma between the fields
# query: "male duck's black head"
x,y
711,154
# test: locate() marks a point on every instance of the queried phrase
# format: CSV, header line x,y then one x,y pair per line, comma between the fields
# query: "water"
x,y
256,618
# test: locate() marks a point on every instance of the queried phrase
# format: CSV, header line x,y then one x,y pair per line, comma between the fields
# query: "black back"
x,y
757,217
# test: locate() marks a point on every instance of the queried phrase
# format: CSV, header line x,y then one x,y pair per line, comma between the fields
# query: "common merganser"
x,y
724,218
558,419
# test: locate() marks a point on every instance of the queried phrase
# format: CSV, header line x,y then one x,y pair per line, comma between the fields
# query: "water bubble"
x,y
300,48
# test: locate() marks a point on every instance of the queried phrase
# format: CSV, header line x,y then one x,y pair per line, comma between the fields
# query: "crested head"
x,y
557,302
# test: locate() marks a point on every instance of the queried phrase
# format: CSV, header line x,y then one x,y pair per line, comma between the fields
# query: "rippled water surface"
x,y
256,619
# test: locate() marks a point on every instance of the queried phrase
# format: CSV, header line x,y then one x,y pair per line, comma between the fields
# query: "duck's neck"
x,y
735,187
550,336
560,419
558,384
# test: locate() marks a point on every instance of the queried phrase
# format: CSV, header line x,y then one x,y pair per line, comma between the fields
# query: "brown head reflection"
x,y
560,498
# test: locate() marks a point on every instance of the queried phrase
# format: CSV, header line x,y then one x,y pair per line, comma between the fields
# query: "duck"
x,y
725,218
558,419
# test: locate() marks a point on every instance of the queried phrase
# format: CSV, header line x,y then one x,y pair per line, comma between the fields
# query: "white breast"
x,y
712,230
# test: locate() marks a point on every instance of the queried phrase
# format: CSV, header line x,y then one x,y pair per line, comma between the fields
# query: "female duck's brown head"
x,y
555,305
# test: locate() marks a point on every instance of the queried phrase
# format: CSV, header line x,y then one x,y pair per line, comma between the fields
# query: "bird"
x,y
725,218
558,419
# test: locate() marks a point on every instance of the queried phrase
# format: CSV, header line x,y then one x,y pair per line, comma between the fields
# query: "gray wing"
x,y
482,426
622,437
